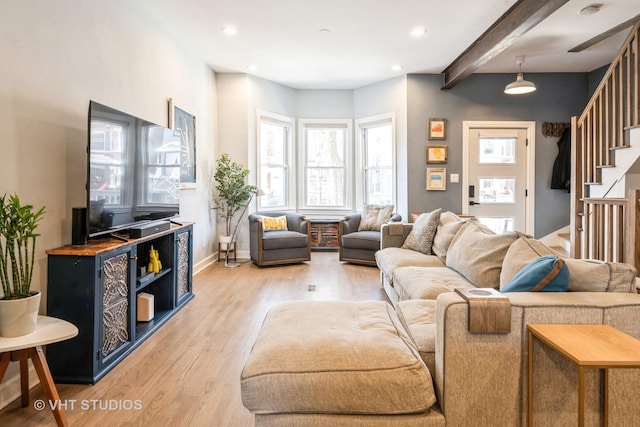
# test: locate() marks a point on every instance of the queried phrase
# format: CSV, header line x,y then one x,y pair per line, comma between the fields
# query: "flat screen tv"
x,y
133,171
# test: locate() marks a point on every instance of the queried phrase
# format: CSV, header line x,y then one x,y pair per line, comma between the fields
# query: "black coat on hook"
x,y
561,177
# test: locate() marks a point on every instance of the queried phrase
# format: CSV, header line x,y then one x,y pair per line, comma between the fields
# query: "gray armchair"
x,y
359,247
279,246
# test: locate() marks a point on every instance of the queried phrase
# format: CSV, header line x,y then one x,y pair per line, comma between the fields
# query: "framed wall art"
x,y
185,123
437,179
437,153
437,129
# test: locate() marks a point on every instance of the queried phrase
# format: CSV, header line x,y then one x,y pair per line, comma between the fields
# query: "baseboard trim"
x,y
210,259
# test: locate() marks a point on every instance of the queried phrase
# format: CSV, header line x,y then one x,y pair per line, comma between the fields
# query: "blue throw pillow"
x,y
545,274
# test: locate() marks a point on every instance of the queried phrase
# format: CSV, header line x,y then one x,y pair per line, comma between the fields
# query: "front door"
x,y
497,176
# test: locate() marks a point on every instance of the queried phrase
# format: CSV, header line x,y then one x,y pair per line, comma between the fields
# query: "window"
x,y
326,164
376,160
275,151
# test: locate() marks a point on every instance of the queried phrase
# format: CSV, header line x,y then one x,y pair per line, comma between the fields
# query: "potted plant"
x,y
232,193
18,223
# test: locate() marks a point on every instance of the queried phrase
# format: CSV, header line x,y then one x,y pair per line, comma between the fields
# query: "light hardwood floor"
x,y
188,372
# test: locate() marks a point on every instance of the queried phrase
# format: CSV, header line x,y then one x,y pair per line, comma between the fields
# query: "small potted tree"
x,y
18,223
232,193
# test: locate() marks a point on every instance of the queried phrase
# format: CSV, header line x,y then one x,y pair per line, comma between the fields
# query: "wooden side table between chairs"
x,y
587,346
48,330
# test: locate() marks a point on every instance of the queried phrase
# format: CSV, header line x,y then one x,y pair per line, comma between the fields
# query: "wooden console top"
x,y
97,246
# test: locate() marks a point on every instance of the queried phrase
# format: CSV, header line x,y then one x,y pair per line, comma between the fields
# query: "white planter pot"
x,y
19,316
224,241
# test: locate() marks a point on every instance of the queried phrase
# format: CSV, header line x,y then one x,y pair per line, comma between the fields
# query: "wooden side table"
x,y
587,346
324,234
48,330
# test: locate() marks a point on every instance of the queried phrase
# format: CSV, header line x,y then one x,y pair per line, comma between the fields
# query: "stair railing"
x,y
602,228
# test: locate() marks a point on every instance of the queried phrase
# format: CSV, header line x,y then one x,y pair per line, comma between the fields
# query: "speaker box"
x,y
144,307
79,226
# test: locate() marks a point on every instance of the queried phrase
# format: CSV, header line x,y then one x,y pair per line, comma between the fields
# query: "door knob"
x,y
471,203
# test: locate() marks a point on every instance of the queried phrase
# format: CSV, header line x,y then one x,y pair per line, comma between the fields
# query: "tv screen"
x,y
133,171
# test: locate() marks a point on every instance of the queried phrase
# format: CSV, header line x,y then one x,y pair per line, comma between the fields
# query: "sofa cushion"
x,y
369,240
426,282
420,237
390,259
283,240
448,226
418,316
584,275
545,274
373,216
278,223
335,357
476,252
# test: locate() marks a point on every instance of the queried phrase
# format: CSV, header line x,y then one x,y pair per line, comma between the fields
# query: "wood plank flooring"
x,y
188,372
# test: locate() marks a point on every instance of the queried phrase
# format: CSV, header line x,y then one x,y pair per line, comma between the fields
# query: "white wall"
x,y
58,55
389,96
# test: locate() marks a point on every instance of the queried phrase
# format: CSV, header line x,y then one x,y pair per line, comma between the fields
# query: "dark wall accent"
x,y
480,97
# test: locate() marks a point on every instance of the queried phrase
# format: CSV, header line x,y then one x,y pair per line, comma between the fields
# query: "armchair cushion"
x,y
283,239
369,240
373,216
424,229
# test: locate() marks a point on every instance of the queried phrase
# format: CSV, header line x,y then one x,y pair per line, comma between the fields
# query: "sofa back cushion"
x,y
584,275
476,252
448,226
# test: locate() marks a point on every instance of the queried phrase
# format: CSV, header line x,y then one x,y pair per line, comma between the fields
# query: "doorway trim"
x,y
530,127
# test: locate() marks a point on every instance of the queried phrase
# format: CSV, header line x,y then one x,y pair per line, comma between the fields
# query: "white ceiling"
x,y
367,37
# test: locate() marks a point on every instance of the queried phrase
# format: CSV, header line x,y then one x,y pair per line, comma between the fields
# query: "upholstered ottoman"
x,y
337,363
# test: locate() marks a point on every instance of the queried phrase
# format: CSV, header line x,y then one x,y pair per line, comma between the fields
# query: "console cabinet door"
x,y
184,265
116,276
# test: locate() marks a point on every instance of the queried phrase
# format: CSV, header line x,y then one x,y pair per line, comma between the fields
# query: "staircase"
x,y
606,164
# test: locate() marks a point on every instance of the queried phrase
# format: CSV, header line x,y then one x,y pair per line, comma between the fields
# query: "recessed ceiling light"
x,y
418,31
397,67
591,9
252,67
324,30
230,30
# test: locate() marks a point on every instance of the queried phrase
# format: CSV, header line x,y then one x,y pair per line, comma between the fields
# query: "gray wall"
x,y
480,97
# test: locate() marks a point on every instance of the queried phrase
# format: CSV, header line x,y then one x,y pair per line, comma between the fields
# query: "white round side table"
x,y
20,349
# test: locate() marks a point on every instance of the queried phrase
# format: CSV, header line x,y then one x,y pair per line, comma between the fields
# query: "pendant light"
x,y
521,85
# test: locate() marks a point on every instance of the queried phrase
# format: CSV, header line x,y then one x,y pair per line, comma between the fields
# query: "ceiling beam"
x,y
603,36
520,18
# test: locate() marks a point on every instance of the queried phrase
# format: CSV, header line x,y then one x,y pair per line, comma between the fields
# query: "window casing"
x,y
326,165
275,154
375,166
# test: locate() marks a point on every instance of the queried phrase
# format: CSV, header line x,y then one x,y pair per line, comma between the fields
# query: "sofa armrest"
x,y
392,235
472,367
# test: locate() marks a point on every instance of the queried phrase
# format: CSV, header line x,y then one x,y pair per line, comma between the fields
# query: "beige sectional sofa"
x,y
339,363
471,370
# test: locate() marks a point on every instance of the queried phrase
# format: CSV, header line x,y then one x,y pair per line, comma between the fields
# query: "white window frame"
x,y
289,167
337,211
362,125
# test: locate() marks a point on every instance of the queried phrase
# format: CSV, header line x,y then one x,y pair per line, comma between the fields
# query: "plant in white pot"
x,y
18,305
232,193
